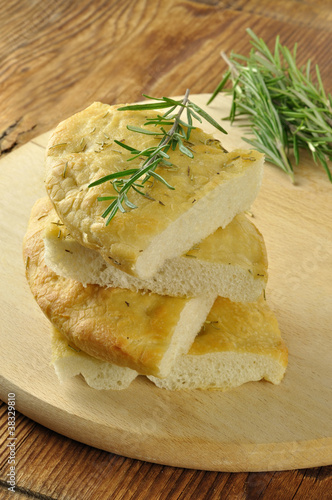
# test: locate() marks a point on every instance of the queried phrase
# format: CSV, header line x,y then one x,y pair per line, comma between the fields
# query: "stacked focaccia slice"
x,y
143,294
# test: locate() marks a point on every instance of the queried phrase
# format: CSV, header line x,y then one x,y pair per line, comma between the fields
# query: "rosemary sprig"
x,y
284,107
177,136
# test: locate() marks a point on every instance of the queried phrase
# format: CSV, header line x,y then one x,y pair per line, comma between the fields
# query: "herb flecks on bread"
x,y
210,189
231,262
238,343
144,332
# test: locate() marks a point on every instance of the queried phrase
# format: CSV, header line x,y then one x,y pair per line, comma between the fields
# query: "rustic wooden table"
x,y
56,58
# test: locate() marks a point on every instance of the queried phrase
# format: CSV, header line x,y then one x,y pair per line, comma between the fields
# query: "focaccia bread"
x,y
210,189
238,343
69,361
144,332
231,262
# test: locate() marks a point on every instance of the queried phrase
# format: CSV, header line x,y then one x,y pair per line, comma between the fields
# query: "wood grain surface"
x,y
256,427
56,57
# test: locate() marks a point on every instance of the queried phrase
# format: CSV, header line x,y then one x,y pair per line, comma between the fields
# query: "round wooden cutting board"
x,y
256,427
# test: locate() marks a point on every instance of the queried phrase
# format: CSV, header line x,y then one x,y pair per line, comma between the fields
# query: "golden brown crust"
x,y
239,243
241,328
81,150
116,325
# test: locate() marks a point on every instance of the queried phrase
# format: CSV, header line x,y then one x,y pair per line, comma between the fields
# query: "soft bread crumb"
x,y
239,343
231,263
221,371
194,312
69,361
210,189
220,358
130,329
216,209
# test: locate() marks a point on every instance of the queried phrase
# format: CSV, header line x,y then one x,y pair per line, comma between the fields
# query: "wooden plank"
x,y
256,427
113,52
60,461
35,95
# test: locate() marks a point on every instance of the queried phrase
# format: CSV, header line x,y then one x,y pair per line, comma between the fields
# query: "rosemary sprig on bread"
x,y
177,136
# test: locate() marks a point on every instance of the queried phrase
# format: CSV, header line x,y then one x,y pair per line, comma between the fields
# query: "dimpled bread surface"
x,y
82,150
232,262
239,343
117,325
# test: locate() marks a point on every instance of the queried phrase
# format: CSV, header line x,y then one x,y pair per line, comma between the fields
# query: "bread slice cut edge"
x,y
214,210
215,361
144,332
239,279
68,362
221,371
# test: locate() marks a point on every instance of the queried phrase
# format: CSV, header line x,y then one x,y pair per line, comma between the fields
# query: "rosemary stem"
x,y
232,67
134,179
169,135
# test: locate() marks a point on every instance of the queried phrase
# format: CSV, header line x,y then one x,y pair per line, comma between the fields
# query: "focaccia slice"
x,y
238,343
144,332
69,361
231,263
210,189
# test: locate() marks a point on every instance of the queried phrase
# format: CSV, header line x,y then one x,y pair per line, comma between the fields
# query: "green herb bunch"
x,y
177,136
284,107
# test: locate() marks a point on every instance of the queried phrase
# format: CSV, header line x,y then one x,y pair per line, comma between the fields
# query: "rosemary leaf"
x,y
143,130
176,136
115,175
285,109
137,107
161,179
125,146
105,198
207,117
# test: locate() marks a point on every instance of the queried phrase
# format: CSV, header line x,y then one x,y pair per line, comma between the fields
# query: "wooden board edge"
x,y
208,456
